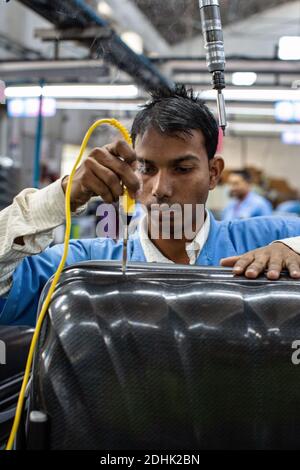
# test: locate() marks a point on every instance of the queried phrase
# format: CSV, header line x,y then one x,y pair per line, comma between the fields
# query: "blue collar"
x,y
218,238
218,244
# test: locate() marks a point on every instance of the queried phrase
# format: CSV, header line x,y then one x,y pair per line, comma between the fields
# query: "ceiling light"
x,y
91,91
74,91
284,111
104,9
2,92
290,138
253,94
262,128
244,78
245,111
30,107
133,40
289,48
23,91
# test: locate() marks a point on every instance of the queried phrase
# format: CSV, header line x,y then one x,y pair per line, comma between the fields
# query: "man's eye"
x,y
183,169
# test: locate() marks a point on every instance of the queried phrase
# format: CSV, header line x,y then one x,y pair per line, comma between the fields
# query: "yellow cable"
x,y
128,204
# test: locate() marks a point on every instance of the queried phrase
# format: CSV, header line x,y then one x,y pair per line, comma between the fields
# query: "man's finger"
x,y
121,168
257,267
242,264
108,177
123,150
229,262
275,267
98,187
239,263
293,267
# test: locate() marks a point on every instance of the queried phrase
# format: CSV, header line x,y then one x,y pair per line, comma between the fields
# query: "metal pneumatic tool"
x,y
126,212
215,55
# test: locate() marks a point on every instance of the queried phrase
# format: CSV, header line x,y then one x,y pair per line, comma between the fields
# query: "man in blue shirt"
x,y
173,161
291,208
246,203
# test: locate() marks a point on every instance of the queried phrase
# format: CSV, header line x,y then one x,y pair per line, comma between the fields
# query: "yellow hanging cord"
x,y
128,204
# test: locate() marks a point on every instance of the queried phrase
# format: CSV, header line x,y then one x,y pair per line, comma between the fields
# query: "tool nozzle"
x,y
124,259
126,212
221,111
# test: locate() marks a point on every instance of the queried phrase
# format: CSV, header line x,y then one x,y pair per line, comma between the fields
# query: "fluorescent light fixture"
x,y
253,94
23,91
284,111
2,92
104,9
29,107
74,91
287,111
244,78
262,128
255,111
133,40
297,111
6,162
90,91
290,138
289,48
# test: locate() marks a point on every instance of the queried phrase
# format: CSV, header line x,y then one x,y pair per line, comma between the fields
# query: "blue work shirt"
x,y
225,239
253,205
289,207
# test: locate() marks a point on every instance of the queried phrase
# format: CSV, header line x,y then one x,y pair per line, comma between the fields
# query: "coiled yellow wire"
x,y
128,203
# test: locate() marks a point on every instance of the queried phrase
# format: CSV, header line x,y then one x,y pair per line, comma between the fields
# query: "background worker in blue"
x,y
175,139
291,208
245,202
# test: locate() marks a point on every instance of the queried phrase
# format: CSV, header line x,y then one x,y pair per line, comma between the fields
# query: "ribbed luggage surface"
x,y
169,357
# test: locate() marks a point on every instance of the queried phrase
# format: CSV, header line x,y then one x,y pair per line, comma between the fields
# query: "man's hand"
x,y
102,174
273,259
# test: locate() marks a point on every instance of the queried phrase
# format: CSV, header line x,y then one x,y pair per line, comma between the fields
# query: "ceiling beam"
x,y
77,14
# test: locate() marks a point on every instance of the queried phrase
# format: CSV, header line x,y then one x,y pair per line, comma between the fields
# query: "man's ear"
x,y
216,167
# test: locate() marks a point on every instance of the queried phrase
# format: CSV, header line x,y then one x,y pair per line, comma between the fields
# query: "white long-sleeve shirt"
x,y
34,214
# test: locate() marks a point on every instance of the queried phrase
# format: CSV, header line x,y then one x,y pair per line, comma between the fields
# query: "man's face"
x,y
238,186
175,169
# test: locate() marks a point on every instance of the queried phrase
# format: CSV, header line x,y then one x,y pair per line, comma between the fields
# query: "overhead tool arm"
x,y
215,55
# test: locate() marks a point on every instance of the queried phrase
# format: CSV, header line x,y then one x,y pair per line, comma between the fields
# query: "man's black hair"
x,y
177,110
244,173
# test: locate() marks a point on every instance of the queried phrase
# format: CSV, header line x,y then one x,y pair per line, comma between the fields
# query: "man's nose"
x,y
162,185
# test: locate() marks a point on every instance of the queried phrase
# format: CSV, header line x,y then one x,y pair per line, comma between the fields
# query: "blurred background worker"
x,y
291,208
246,203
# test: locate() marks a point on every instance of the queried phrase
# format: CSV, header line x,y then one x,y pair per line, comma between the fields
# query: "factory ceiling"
x,y
179,20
